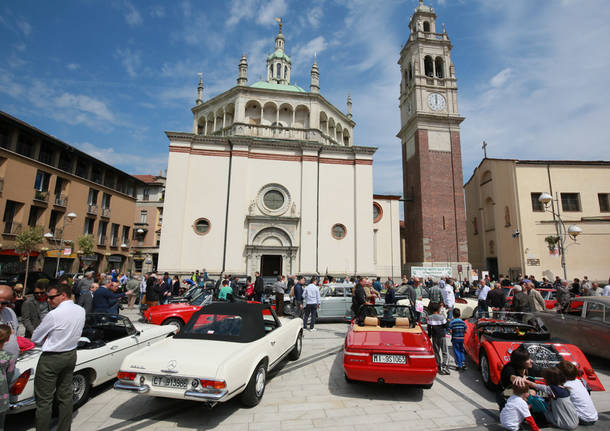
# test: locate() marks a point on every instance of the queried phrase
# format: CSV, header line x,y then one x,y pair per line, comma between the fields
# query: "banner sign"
x,y
431,271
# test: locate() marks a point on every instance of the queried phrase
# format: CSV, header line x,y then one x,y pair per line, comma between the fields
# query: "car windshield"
x,y
201,298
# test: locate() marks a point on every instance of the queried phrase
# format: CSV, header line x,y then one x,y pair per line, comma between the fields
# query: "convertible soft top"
x,y
233,321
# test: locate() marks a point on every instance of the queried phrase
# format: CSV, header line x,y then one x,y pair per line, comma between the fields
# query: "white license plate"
x,y
170,382
390,359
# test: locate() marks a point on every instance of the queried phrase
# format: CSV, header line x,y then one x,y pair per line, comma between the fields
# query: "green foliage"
x,y
86,244
29,239
551,241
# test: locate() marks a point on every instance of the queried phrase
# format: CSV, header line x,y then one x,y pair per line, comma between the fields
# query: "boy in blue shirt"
x,y
458,329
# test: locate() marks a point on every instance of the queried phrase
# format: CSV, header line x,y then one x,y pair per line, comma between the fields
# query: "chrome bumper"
x,y
19,406
129,387
202,396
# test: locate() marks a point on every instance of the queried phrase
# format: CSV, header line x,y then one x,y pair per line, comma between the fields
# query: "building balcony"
x,y
12,228
41,196
92,209
101,241
106,212
61,201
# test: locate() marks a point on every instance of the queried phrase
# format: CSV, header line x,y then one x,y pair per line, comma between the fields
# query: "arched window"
x,y
475,226
410,71
439,67
426,26
278,70
285,72
406,78
506,217
489,215
428,66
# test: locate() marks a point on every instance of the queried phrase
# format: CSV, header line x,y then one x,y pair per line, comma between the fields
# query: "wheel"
x,y
427,386
485,373
256,386
178,323
81,386
295,353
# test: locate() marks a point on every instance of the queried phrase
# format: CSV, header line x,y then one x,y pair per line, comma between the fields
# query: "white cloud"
x,y
241,9
264,11
85,104
73,66
20,46
143,163
157,11
501,77
24,26
132,15
314,16
304,54
270,10
131,60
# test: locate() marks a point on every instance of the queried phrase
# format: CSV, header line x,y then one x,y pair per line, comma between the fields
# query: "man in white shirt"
x,y
311,299
448,292
8,317
481,293
58,333
606,291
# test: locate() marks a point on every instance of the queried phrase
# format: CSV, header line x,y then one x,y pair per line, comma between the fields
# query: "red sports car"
x,y
489,343
175,313
549,296
389,347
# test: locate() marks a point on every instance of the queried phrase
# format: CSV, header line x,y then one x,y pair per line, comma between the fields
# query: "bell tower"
x,y
435,217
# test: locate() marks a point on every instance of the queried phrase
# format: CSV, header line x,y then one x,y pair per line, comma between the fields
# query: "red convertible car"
x,y
176,314
389,347
489,343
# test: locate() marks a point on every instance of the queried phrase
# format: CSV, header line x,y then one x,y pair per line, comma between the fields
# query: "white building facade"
x,y
269,180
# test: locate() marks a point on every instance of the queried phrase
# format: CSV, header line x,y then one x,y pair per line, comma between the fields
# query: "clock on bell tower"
x,y
435,217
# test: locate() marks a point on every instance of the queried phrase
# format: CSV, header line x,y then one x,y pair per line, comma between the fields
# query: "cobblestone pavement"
x,y
311,393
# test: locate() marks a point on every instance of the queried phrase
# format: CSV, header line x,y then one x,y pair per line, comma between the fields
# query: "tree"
x,y
86,245
28,241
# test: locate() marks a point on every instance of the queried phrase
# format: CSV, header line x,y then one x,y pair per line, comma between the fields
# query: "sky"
x,y
110,77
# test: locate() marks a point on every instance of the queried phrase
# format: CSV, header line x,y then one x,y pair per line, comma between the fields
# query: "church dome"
x,y
274,86
423,8
279,54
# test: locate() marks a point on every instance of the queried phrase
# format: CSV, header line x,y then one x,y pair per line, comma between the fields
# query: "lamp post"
x,y
67,218
572,231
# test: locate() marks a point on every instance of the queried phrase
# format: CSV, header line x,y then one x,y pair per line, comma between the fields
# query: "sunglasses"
x,y
53,296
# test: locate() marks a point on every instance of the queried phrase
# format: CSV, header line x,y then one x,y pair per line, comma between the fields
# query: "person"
x,y
585,285
560,411
377,284
7,369
481,293
143,285
587,414
290,282
166,288
234,283
226,292
437,328
358,300
34,309
449,297
516,410
279,288
84,285
311,298
19,299
536,303
106,299
153,291
594,290
390,293
563,297
515,373
58,333
8,317
176,286
413,299
457,327
249,288
133,286
259,287
205,275
606,291
521,302
85,299
298,295
496,298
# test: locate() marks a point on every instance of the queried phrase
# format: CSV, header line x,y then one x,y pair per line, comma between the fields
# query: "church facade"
x,y
270,180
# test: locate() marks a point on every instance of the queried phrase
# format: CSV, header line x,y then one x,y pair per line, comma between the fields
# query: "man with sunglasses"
x,y
8,317
58,333
34,309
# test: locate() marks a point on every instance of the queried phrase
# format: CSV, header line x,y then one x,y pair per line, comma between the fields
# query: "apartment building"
x,y
150,196
46,182
511,232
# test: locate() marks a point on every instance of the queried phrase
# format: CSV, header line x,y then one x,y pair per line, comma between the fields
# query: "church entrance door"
x,y
271,265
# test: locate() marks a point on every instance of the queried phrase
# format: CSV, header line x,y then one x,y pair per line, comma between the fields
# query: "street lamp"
x,y
67,219
571,232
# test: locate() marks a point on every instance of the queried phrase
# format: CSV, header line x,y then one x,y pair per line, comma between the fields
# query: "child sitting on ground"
x,y
516,410
458,329
587,414
437,328
560,411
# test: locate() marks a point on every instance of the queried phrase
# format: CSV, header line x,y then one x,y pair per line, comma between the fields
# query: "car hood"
x,y
372,340
193,358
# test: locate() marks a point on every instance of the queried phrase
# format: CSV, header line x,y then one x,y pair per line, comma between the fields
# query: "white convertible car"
x,y
107,339
225,350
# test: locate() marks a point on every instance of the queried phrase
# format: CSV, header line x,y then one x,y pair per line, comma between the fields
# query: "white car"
x,y
106,340
467,306
225,350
